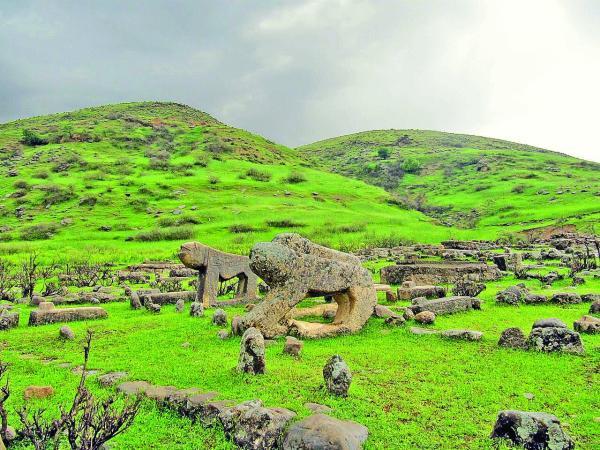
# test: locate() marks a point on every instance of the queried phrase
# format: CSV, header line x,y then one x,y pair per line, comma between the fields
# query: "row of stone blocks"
x,y
251,425
47,314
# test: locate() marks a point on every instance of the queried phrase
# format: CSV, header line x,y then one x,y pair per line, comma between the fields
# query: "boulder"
x,y
395,321
110,378
408,293
587,324
219,318
566,298
256,427
513,338
512,295
465,335
41,317
180,305
446,305
197,309
552,322
223,334
337,376
153,307
532,430
421,331
533,299
8,319
65,332
383,312
590,298
293,346
317,408
325,433
555,339
38,392
425,317
594,307
252,352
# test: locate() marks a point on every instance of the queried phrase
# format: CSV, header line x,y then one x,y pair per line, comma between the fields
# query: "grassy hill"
x,y
468,181
130,181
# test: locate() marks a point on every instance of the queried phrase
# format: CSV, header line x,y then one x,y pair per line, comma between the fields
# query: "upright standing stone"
x,y
252,352
293,346
219,318
337,376
513,338
180,305
197,309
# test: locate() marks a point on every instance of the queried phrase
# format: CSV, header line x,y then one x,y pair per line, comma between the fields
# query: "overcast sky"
x,y
300,71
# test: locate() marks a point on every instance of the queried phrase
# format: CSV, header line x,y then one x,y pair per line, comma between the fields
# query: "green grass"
x,y
479,183
410,391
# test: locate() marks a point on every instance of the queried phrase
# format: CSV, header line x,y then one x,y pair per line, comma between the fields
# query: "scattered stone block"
x,y
549,323
532,430
317,408
38,392
425,317
337,376
590,298
395,321
566,298
252,352
383,312
409,293
111,378
219,318
45,306
324,432
293,346
465,335
548,338
446,305
180,305
513,338
438,272
223,334
595,307
534,299
41,317
65,332
587,324
197,309
512,295
8,319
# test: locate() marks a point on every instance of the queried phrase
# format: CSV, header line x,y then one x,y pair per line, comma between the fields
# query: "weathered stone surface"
x,y
566,298
65,332
512,295
293,346
587,324
8,319
408,293
590,298
133,387
38,392
37,317
337,376
383,312
219,318
425,317
255,427
513,338
595,307
408,314
133,277
252,352
532,430
446,305
180,305
555,339
296,268
433,272
167,298
468,288
325,433
549,323
110,378
395,321
465,335
214,266
223,334
197,309
533,299
153,307
317,408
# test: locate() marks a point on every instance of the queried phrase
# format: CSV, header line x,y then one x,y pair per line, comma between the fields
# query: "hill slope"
x,y
467,181
131,181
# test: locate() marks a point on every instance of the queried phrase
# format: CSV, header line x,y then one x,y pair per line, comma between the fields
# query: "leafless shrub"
x,y
8,280
87,274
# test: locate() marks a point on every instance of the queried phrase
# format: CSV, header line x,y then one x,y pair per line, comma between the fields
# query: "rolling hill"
x,y
468,181
130,181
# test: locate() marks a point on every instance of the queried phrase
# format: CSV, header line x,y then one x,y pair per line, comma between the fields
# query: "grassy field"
x,y
469,181
410,391
131,182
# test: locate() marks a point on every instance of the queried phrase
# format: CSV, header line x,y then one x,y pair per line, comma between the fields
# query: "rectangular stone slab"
x,y
170,298
39,317
446,305
438,272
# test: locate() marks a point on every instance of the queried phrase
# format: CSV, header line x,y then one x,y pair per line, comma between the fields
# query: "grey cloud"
x,y
290,70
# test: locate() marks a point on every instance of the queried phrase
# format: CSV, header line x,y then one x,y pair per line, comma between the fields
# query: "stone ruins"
x,y
214,266
295,268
